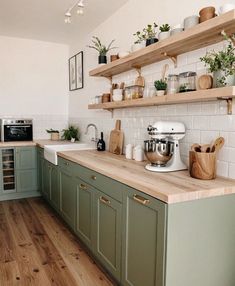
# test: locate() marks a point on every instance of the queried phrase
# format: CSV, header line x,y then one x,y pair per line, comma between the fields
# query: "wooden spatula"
x,y
116,139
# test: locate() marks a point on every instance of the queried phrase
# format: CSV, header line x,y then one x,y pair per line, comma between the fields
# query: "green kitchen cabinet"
x,y
54,187
108,228
26,169
46,184
40,159
68,188
144,239
84,216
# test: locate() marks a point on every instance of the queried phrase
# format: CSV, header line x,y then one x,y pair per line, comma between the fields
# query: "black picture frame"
x,y
76,74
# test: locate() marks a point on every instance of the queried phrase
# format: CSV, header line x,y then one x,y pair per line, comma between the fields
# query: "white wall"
x,y
204,121
34,82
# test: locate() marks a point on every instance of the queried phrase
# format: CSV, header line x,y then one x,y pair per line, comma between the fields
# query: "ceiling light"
x,y
80,11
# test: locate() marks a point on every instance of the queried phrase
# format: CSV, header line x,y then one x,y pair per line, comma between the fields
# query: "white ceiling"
x,y
44,19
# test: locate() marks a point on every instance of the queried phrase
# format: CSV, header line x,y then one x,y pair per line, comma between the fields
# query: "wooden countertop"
x,y
171,188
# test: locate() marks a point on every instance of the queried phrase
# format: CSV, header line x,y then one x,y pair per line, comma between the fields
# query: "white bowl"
x,y
118,91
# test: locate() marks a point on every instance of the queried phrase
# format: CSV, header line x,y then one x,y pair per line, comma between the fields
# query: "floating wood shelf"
x,y
202,35
225,93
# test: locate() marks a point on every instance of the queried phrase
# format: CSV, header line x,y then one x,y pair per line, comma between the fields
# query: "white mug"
x,y
226,7
138,153
129,152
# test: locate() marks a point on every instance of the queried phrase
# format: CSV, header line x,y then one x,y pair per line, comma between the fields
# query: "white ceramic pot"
x,y
138,153
190,22
164,35
176,31
137,47
229,80
129,152
117,94
160,92
226,8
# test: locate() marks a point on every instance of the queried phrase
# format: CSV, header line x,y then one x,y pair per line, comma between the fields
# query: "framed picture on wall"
x,y
79,73
76,72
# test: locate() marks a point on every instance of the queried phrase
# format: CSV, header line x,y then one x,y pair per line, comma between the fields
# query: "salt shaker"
x,y
138,153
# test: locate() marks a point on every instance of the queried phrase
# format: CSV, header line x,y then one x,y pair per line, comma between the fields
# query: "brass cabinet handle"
x,y
93,177
141,200
66,163
105,201
83,187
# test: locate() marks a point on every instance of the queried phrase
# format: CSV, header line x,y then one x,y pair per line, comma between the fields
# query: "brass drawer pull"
x,y
93,177
83,187
105,201
141,200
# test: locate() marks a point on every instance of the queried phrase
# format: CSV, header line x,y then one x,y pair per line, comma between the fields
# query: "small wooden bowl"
x,y
202,165
114,58
207,13
106,97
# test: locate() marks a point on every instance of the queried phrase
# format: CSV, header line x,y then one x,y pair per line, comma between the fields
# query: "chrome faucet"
x,y
94,139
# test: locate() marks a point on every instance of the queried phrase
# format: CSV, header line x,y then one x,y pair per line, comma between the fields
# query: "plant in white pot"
x,y
101,49
161,86
72,134
222,63
164,32
139,43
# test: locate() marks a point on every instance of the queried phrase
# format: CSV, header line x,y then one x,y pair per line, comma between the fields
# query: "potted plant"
x,y
161,86
139,43
55,134
102,49
149,34
164,32
72,134
222,63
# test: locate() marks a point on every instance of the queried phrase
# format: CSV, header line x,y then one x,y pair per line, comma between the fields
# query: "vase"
x,y
151,41
221,80
102,60
164,35
160,92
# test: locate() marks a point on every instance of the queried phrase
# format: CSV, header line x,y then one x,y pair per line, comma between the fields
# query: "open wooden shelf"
x,y
202,35
185,97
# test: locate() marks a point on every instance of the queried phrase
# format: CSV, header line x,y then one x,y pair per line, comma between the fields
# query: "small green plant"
x,y
223,60
165,28
71,132
99,47
140,37
160,84
52,131
150,31
183,88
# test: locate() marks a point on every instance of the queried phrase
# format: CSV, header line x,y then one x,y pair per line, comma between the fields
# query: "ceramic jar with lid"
x,y
173,84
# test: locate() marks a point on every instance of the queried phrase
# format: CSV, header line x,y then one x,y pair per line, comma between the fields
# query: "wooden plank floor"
x,y
36,248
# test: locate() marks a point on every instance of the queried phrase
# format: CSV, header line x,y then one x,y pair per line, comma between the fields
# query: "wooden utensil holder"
x,y
202,165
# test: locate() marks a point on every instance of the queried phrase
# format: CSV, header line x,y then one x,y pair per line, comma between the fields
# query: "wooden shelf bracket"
x,y
174,59
229,101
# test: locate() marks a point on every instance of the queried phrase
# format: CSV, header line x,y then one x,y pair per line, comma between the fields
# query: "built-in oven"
x,y
16,130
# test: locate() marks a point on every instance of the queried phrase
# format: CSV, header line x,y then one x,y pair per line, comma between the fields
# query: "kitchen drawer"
x,y
108,186
67,165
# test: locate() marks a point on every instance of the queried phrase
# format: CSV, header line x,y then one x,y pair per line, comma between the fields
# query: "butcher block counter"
x,y
171,188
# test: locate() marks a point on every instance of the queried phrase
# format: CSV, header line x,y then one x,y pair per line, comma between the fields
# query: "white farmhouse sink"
x,y
50,151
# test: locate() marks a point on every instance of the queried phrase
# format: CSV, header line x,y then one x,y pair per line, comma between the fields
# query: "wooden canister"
x,y
114,58
55,136
202,165
106,97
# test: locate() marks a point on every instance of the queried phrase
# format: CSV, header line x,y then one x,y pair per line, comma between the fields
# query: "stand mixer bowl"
x,y
158,152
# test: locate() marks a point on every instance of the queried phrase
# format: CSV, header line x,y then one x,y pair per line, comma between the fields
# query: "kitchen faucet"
x,y
94,139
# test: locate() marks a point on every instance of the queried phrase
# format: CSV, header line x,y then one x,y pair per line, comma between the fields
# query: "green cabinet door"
x,y
108,222
84,222
26,158
46,184
143,240
40,159
54,184
26,180
68,186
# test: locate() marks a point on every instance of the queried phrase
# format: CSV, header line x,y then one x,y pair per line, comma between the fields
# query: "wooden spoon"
x,y
196,147
206,148
217,144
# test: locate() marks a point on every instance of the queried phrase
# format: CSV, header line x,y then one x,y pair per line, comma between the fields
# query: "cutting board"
x,y
116,139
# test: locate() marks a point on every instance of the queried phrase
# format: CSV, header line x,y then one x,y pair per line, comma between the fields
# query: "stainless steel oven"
x,y
16,130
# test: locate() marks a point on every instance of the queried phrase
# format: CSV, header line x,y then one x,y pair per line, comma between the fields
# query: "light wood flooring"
x,y
36,248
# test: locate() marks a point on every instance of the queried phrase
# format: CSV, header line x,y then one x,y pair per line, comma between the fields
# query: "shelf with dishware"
x,y
202,35
223,93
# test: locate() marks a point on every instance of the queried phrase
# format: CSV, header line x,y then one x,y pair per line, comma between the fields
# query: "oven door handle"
x,y
18,126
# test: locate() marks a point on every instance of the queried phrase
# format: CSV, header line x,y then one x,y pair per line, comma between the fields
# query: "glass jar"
x,y
173,84
149,90
134,92
187,81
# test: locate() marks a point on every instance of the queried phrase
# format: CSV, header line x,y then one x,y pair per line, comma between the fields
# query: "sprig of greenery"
x,y
140,37
160,84
223,60
52,131
150,31
98,46
165,28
